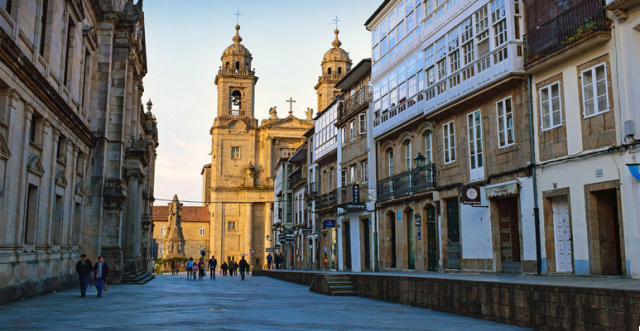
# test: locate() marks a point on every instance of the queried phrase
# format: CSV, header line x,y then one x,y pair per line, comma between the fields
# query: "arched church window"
x,y
339,70
237,65
236,102
329,71
227,65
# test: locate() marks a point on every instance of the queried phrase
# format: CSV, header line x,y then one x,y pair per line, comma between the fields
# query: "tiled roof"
x,y
188,213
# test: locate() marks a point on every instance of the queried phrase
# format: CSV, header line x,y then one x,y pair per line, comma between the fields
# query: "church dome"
x,y
236,49
336,54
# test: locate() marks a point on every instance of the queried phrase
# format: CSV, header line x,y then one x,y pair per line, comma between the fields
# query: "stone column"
x,y
247,231
133,222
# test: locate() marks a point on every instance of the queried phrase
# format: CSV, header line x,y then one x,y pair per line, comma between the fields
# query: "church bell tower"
x,y
236,83
336,63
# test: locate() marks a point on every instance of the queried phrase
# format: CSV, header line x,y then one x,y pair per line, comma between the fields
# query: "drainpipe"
x,y
536,209
375,226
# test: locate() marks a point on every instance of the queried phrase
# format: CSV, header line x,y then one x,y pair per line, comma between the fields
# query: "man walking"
x,y
212,267
189,267
269,260
173,267
243,267
83,268
101,274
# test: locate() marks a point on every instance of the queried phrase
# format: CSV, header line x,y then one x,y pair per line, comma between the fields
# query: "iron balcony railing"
x,y
413,181
297,176
346,194
355,102
313,189
567,28
327,200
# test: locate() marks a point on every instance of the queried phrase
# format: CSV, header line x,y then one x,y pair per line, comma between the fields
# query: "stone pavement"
x,y
258,303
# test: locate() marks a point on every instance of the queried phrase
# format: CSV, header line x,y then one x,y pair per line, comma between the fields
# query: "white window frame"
x,y
344,180
428,147
594,86
449,142
163,229
343,135
364,171
502,123
352,130
202,230
161,249
362,118
476,171
353,174
390,163
407,155
201,248
548,88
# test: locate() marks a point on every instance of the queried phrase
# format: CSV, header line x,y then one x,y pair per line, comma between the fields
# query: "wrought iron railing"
x,y
355,102
569,27
328,200
297,176
415,180
346,194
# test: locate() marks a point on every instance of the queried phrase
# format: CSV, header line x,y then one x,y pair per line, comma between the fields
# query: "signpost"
x,y
271,250
355,192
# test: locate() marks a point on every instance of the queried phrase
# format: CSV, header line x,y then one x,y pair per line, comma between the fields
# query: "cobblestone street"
x,y
258,303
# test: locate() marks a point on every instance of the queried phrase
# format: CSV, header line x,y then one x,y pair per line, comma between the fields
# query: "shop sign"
x,y
470,195
355,206
502,189
329,223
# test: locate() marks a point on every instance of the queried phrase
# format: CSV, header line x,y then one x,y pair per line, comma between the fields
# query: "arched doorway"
x,y
391,239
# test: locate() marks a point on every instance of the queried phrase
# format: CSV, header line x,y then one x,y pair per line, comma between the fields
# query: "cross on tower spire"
x,y
291,101
336,21
238,17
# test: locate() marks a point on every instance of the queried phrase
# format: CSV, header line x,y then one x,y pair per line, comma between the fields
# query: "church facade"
x,y
238,184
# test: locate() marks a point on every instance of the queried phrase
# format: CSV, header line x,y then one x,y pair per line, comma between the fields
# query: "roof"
x,y
338,98
187,213
355,75
377,12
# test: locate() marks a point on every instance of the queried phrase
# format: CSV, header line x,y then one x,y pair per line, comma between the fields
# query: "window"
x,y
353,174
202,228
343,135
6,4
77,220
595,98
407,155
86,79
43,25
235,152
362,118
202,248
449,141
231,225
31,215
550,107
68,68
505,123
364,172
343,177
58,214
163,229
428,148
61,149
390,162
352,130
476,165
160,249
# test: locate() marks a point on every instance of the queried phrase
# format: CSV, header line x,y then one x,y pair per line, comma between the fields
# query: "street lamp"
x,y
419,160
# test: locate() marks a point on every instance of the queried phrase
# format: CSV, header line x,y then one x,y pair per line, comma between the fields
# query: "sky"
x,y
185,40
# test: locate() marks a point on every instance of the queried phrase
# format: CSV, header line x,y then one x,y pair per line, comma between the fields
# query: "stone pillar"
x,y
247,231
133,228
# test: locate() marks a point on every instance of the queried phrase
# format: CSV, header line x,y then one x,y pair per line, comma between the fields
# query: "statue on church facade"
x,y
309,114
273,114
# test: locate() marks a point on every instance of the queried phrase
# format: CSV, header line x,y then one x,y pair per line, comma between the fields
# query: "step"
x,y
339,284
342,288
344,293
138,279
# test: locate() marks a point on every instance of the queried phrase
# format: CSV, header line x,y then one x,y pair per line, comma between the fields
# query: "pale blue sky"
x,y
185,39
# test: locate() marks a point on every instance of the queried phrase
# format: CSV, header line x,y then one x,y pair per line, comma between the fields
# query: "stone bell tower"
x,y
336,63
236,83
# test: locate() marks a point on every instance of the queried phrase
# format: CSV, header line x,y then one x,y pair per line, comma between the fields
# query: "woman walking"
x,y
189,267
224,267
101,274
201,268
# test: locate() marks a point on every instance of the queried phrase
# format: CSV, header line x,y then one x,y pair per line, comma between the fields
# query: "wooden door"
x,y
562,235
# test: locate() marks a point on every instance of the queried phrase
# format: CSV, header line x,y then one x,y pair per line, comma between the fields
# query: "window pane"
x,y
602,104
556,118
546,121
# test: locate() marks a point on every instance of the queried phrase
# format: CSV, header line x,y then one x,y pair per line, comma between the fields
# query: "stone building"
x,y
184,227
239,180
451,128
66,68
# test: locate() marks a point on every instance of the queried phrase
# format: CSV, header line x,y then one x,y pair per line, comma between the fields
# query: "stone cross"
x,y
336,21
290,101
238,17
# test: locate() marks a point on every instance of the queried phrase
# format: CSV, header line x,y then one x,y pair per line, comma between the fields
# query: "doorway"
x,y
432,239
562,234
509,235
347,244
609,250
391,238
454,251
366,250
411,240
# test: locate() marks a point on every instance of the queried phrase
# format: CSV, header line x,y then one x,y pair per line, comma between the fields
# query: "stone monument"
x,y
174,241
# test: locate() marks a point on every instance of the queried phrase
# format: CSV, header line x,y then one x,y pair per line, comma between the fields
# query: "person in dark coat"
x,y
83,268
244,266
224,267
212,267
101,274
269,260
277,262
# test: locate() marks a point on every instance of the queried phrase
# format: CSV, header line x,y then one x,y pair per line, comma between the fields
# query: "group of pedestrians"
x,y
100,271
232,268
278,261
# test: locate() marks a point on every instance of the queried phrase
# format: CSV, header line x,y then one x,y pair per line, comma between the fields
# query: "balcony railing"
x,y
413,181
313,189
346,194
236,113
567,28
297,176
328,200
244,72
355,102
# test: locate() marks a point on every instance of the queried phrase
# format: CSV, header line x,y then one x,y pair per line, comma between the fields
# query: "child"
x,y
201,268
194,270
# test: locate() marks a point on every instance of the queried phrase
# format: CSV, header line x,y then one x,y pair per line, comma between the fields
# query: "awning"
x,y
634,169
501,189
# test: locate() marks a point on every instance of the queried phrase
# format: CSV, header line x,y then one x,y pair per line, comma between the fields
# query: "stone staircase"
x,y
258,272
141,278
340,285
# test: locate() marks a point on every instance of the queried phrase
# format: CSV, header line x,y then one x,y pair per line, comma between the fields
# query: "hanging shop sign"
x,y
502,189
329,223
470,195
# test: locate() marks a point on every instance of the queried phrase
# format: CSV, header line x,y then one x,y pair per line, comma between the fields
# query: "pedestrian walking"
x,y
231,267
212,267
189,267
282,261
178,267
269,260
224,267
173,267
83,268
201,269
194,270
277,261
243,267
101,274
